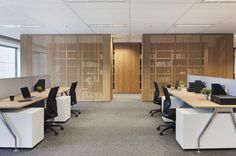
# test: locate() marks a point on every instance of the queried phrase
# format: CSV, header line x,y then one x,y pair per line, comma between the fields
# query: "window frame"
x,y
16,56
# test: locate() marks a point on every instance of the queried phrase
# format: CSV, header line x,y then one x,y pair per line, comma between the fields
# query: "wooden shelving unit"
x,y
82,58
168,58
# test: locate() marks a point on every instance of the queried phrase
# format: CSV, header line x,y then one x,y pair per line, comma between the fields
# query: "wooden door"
x,y
126,66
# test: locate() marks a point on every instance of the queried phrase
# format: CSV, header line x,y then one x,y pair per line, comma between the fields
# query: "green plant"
x,y
206,91
39,89
182,83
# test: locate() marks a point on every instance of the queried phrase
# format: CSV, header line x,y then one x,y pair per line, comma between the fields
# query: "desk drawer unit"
x,y
63,109
190,122
27,124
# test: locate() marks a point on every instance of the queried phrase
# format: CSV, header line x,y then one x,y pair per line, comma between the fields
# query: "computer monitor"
x,y
199,85
217,89
176,84
191,87
25,92
41,83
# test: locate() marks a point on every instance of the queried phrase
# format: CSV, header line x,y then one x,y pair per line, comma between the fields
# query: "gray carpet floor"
x,y
122,127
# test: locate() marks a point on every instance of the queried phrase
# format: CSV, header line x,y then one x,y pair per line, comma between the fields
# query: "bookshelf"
x,y
82,58
168,58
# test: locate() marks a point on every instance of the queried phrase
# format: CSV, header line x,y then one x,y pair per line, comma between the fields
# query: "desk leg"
x,y
65,93
9,128
204,129
233,117
216,111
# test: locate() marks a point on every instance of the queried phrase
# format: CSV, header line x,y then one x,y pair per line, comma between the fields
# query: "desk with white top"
x,y
6,106
202,107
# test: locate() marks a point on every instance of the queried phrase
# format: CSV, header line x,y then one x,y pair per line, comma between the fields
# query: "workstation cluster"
x,y
27,116
199,121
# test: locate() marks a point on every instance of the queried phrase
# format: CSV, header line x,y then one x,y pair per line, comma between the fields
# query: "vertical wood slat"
x,y
127,66
26,55
213,56
74,58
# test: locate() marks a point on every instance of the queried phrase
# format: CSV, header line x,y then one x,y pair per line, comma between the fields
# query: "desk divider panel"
x,y
11,86
230,84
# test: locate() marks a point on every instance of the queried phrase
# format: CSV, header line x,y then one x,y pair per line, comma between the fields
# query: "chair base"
x,y
167,127
75,112
51,125
154,111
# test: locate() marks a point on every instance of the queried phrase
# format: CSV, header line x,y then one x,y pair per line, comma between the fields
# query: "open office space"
x,y
117,77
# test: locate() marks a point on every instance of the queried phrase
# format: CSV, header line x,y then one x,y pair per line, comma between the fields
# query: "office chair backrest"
x,y
72,92
157,91
52,102
217,89
167,101
156,96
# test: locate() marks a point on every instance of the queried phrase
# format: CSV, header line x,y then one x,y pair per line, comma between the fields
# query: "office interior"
x,y
117,77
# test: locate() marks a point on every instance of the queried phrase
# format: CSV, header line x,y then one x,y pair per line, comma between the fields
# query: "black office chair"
x,y
72,94
156,99
50,111
167,112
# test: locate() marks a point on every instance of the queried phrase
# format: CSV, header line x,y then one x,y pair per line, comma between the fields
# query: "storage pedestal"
x,y
190,122
27,124
63,109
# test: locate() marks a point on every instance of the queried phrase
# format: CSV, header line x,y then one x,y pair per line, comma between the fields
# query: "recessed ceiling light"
x,y
106,25
218,1
96,1
21,26
193,25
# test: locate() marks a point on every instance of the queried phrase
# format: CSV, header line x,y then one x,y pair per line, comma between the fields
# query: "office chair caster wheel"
x,y
56,133
161,133
150,112
152,115
76,115
79,112
62,128
158,128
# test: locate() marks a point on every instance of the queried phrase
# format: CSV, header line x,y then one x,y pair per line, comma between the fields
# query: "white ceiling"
x,y
138,16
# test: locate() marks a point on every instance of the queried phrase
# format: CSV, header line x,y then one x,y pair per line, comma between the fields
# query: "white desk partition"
x,y
230,84
11,86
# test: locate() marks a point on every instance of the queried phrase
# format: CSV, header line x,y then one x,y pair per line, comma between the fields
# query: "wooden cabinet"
x,y
168,58
82,58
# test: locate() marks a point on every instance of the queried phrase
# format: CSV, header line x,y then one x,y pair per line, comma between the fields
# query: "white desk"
x,y
197,102
26,123
6,105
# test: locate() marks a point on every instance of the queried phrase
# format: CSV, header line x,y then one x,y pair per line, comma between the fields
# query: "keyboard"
x,y
24,100
29,99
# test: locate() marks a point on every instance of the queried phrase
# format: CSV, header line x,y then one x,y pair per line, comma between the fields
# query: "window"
x,y
8,61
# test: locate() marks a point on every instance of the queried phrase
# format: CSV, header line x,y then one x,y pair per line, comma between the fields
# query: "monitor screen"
x,y
25,92
176,84
41,83
199,85
217,89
